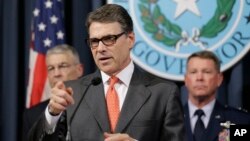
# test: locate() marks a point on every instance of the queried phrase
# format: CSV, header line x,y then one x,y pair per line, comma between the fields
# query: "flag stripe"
x,y
40,75
47,32
31,72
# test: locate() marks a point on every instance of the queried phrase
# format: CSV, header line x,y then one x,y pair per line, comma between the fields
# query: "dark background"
x,y
15,23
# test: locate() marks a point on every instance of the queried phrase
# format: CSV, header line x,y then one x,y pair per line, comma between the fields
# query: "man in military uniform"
x,y
203,113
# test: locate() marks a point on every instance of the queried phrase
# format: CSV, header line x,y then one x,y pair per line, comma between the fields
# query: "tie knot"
x,y
199,113
113,80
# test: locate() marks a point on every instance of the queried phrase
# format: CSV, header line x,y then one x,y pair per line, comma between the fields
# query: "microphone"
x,y
95,81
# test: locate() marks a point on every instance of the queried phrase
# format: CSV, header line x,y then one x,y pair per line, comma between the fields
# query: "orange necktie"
x,y
113,103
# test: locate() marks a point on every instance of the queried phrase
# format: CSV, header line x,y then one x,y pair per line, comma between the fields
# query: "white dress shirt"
x,y
122,86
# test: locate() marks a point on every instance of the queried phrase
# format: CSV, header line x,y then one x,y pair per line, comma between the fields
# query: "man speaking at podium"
x,y
118,102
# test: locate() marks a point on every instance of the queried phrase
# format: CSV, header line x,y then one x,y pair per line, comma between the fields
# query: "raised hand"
x,y
61,98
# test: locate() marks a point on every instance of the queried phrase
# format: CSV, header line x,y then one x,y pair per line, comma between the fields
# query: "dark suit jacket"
x,y
31,115
151,111
220,114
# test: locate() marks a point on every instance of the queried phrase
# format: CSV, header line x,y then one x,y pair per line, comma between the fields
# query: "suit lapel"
x,y
79,89
136,96
95,99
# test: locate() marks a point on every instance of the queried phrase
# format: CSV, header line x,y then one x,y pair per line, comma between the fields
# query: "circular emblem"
x,y
168,31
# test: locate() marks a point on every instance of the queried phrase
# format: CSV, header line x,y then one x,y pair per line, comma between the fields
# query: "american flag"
x,y
47,31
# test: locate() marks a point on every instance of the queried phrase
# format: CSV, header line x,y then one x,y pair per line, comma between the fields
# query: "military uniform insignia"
x,y
224,135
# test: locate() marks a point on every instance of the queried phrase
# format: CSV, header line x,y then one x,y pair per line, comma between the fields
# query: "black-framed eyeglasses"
x,y
106,40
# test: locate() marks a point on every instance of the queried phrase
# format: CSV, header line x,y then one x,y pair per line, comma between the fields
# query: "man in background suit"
x,y
63,63
202,79
118,102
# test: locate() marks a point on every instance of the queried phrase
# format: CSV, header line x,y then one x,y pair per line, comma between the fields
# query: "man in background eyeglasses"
x,y
63,64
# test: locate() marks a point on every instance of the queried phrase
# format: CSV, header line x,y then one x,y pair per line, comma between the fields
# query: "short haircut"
x,y
205,54
110,13
63,48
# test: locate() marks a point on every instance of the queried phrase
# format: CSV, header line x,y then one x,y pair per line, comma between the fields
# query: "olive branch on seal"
x,y
158,25
170,34
219,21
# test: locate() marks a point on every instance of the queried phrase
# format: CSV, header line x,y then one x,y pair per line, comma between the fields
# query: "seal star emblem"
x,y
184,5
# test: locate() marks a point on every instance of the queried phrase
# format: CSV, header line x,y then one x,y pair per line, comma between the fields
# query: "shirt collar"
x,y
124,76
207,109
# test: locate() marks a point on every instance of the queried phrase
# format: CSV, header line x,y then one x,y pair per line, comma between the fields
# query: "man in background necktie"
x,y
203,113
